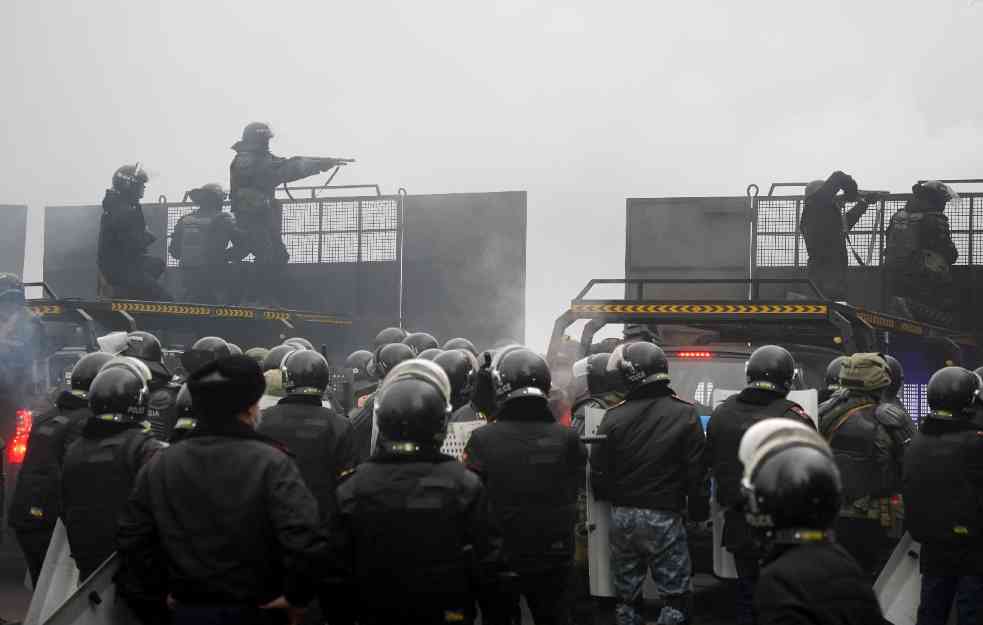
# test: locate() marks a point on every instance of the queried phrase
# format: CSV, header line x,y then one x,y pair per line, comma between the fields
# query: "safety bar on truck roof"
x,y
44,286
755,284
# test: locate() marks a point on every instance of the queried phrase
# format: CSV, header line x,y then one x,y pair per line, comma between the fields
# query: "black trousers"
x,y
938,593
34,544
546,593
137,279
226,615
867,541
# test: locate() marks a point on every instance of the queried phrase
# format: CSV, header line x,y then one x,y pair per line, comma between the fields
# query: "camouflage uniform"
x,y
643,540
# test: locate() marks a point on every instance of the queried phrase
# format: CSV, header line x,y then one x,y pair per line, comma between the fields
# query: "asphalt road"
x,y
14,596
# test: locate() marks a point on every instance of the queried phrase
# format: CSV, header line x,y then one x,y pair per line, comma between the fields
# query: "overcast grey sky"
x,y
582,104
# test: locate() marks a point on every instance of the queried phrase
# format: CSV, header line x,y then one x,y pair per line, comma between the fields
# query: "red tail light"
x,y
17,448
694,355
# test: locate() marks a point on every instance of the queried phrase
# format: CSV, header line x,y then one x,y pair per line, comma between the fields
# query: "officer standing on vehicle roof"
x,y
253,176
770,375
101,466
161,412
943,497
650,462
36,503
124,239
200,241
868,435
225,499
532,467
414,522
792,487
825,229
919,253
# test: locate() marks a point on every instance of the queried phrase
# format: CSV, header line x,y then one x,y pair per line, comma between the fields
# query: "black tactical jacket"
x,y
321,442
532,467
37,501
943,496
221,518
822,223
418,526
123,234
254,174
815,584
201,239
99,471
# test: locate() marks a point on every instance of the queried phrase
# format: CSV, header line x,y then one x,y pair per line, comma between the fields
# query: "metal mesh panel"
x,y
327,230
776,225
339,247
379,246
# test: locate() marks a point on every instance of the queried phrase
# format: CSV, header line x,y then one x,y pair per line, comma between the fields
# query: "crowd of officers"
x,y
222,511
208,244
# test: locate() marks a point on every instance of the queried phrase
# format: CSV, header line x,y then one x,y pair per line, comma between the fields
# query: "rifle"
x,y
329,162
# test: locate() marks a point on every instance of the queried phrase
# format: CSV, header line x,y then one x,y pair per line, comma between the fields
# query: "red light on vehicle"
x,y
18,444
694,355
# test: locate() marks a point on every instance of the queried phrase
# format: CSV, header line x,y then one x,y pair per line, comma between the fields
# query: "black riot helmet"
x,y
412,407
896,371
388,356
299,342
235,349
258,354
952,392
833,372
419,342
85,370
256,135
146,347
793,486
130,180
276,356
210,197
430,354
461,367
518,372
305,372
204,351
389,335
599,379
933,194
119,391
461,343
639,363
358,362
771,368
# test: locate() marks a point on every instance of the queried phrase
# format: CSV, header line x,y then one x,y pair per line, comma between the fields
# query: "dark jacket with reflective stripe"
x,y
417,527
37,501
730,420
943,496
223,517
99,471
321,441
532,467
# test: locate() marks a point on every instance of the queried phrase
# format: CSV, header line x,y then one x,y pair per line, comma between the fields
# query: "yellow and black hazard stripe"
x,y
48,309
817,310
887,323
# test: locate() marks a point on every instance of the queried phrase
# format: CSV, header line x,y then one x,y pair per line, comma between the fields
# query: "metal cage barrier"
x,y
327,230
779,244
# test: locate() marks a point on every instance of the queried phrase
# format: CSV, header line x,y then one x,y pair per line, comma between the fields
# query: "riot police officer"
x,y
362,383
594,387
257,354
123,240
832,379
461,368
650,462
792,488
320,439
461,343
161,413
419,342
411,520
825,229
200,241
204,351
943,491
919,254
868,436
186,419
226,498
100,467
253,176
273,375
387,336
36,503
430,354
299,342
532,467
770,374
366,430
